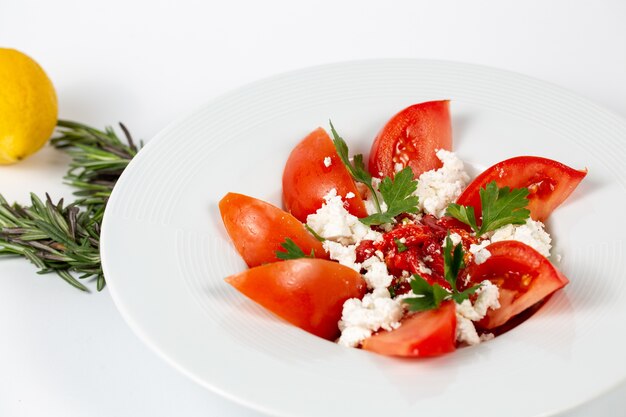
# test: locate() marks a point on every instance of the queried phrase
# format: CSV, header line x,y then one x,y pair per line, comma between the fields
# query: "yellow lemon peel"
x,y
28,106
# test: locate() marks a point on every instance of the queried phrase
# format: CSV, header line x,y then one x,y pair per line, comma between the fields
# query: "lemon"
x,y
28,106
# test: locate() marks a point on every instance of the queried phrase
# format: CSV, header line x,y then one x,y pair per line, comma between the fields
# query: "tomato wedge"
x,y
549,182
258,229
312,170
428,333
522,274
411,138
308,293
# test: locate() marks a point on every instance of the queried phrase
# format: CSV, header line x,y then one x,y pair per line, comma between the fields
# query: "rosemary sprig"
x,y
53,237
66,239
98,160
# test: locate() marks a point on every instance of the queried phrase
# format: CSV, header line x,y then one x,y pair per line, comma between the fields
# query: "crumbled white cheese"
x,y
423,269
487,297
360,318
531,233
349,195
327,161
352,336
467,280
486,337
397,167
465,331
466,312
438,188
376,275
454,237
480,253
333,222
345,255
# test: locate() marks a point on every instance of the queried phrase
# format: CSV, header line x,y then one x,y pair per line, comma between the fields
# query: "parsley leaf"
x,y
293,251
429,296
464,214
356,168
401,246
503,206
452,262
398,195
500,206
460,296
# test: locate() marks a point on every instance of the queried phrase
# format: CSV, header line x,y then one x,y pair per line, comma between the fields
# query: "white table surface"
x,y
65,353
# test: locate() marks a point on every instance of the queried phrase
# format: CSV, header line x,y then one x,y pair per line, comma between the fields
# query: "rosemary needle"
x,y
66,238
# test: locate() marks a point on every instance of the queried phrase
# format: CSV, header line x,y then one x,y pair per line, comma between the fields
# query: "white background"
x,y
146,63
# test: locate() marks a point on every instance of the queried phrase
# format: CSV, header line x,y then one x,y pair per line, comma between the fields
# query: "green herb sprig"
x,y
292,251
430,297
65,239
500,206
398,196
356,168
401,246
397,193
98,160
53,237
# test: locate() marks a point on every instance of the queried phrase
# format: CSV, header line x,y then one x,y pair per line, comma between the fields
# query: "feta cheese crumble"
x,y
423,269
480,253
531,233
438,188
377,310
376,275
466,312
345,255
454,237
327,161
333,222
360,318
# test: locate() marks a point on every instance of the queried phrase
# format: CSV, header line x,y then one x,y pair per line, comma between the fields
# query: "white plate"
x,y
165,252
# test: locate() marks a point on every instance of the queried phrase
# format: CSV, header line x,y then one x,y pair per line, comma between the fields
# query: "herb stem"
x,y
65,239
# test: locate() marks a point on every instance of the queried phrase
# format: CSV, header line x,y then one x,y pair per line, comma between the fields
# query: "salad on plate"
x,y
405,255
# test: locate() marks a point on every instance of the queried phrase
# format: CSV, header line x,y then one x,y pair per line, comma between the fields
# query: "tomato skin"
x,y
411,138
549,182
309,293
523,275
258,229
306,179
427,333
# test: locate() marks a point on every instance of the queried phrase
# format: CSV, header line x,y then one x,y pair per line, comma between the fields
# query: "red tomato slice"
x,y
522,274
549,182
308,293
411,138
307,179
258,229
428,333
